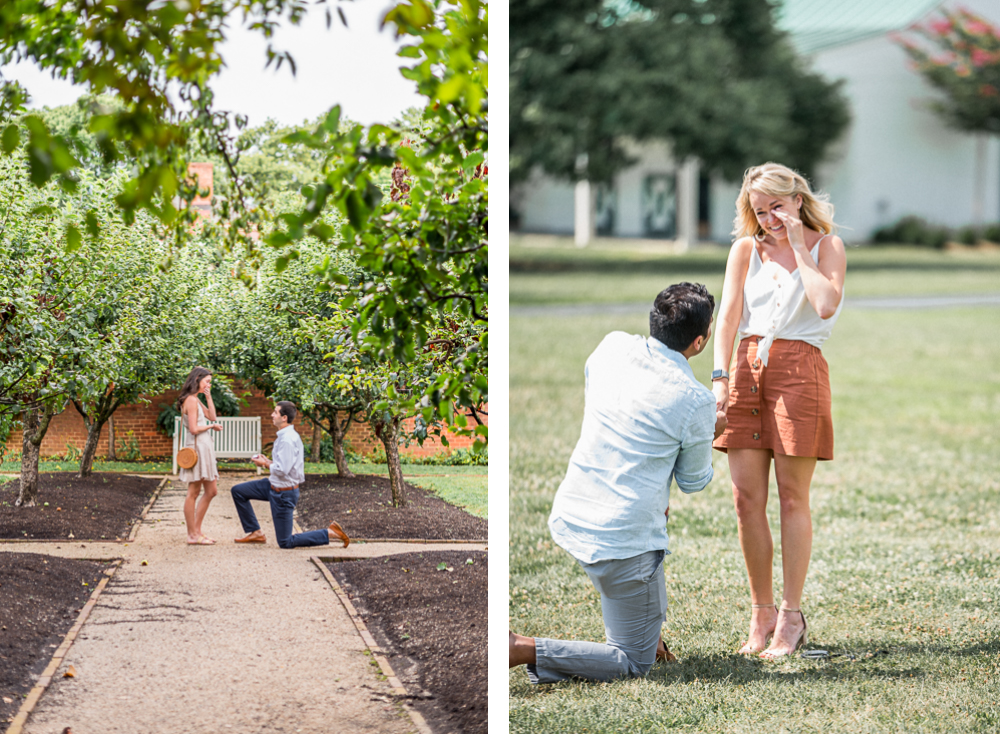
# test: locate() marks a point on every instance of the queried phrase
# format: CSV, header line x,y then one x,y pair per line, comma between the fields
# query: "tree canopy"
x,y
427,254
715,78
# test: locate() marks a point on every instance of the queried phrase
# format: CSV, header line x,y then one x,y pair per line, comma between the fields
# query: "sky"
x,y
354,66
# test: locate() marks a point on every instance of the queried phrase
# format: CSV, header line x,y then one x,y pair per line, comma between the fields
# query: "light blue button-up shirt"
x,y
288,465
647,420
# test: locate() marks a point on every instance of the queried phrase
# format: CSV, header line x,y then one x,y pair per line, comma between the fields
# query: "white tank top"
x,y
775,306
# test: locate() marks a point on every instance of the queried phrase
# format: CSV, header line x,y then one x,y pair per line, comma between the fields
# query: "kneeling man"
x,y
646,421
281,489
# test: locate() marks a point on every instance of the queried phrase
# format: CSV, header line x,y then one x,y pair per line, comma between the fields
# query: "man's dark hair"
x,y
681,313
287,409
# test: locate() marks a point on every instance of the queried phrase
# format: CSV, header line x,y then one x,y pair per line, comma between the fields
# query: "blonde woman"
x,y
204,475
783,292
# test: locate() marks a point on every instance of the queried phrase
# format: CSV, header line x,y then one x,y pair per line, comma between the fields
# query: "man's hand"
x,y
720,423
261,461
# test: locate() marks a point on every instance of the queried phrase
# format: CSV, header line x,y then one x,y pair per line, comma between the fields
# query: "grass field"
x,y
464,486
904,586
552,270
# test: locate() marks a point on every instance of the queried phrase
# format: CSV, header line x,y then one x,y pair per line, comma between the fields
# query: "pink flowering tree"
x,y
959,54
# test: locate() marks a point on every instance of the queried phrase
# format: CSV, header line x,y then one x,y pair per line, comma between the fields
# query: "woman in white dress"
x,y
203,477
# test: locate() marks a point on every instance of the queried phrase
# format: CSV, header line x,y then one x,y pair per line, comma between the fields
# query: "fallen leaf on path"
x,y
144,563
70,672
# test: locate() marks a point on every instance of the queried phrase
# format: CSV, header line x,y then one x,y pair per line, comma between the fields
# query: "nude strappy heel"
x,y
767,640
803,637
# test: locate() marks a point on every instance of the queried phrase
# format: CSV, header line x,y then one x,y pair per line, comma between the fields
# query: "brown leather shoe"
x,y
255,537
339,532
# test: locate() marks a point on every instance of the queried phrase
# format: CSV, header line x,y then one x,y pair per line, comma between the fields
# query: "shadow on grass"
x,y
877,664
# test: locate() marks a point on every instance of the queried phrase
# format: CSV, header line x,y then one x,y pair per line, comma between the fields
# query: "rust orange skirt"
x,y
784,407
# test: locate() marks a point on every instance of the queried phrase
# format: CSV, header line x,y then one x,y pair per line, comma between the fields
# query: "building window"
x,y
659,205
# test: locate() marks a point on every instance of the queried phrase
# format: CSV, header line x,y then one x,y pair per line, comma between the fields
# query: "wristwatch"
x,y
719,374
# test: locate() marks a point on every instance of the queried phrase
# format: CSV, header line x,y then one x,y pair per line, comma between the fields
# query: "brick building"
x,y
68,430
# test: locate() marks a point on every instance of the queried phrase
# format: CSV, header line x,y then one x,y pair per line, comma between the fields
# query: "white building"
x,y
896,158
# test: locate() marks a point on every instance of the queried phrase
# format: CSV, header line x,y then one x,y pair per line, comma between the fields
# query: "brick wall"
x,y
68,428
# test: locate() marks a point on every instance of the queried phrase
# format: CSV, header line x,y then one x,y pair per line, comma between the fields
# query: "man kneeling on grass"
x,y
646,421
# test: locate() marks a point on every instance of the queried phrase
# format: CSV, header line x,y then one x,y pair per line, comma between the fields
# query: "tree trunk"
x,y
317,441
35,427
111,439
339,455
90,448
388,433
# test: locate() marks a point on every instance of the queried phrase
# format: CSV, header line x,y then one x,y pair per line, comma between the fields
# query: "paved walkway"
x,y
216,638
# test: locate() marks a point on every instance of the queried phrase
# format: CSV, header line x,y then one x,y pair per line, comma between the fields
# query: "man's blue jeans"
x,y
633,603
282,513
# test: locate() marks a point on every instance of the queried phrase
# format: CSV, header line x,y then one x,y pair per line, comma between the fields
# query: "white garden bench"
x,y
238,439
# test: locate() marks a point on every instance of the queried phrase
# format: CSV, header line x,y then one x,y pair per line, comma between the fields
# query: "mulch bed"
x,y
103,506
363,507
433,627
40,598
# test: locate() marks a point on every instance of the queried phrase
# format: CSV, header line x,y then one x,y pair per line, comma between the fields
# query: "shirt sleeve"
x,y
693,468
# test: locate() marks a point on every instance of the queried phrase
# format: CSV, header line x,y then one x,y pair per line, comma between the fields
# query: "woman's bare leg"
x,y
794,476
193,528
211,489
750,469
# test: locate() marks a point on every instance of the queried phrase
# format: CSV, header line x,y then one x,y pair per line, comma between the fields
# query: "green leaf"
x,y
93,228
451,89
442,566
356,212
280,264
11,138
373,195
473,160
73,239
332,122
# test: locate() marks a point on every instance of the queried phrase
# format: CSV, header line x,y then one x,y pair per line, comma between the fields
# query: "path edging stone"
x,y
17,725
398,688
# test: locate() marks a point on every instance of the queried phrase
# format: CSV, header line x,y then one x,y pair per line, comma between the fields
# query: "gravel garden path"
x,y
217,638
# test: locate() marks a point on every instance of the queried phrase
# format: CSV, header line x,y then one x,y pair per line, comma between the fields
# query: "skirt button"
x,y
756,364
756,437
754,411
753,389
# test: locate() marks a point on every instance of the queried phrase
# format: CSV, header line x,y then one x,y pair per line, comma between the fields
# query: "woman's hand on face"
x,y
721,390
793,227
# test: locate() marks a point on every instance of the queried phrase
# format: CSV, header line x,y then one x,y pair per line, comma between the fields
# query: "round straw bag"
x,y
187,457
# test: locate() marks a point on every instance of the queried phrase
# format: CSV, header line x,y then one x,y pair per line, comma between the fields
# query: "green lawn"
x,y
905,574
550,271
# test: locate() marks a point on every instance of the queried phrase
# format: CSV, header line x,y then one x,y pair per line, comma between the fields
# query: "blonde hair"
x,y
775,179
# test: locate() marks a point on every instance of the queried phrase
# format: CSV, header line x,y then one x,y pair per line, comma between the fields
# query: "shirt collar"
x,y
660,350
282,430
